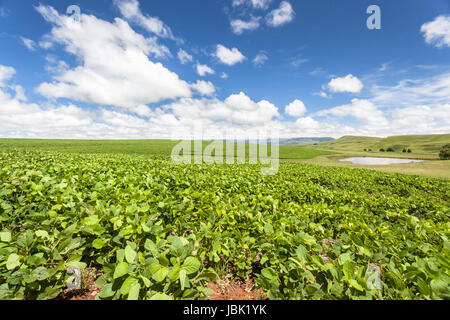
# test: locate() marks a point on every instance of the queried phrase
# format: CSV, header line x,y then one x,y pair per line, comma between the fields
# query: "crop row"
x,y
162,231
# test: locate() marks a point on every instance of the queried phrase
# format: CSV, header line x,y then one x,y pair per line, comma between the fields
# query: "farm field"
x,y
151,229
160,148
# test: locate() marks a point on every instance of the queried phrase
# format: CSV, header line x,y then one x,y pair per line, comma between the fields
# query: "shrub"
x,y
390,150
382,150
445,152
409,151
404,150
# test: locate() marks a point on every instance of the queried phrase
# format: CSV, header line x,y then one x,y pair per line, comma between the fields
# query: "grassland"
x,y
424,147
421,145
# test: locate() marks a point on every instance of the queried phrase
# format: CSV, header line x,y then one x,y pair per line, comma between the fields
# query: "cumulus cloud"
x,y
363,110
30,44
296,108
229,56
278,17
184,57
237,109
419,119
260,59
308,123
224,75
203,69
437,32
130,11
6,73
239,26
348,83
205,88
29,119
115,68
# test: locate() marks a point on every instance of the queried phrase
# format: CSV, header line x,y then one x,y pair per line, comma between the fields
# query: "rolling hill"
x,y
419,144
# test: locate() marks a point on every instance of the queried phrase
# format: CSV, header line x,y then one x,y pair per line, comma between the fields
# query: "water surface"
x,y
379,161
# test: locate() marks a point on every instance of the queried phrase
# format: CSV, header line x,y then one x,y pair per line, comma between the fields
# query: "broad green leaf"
x,y
130,254
151,246
191,265
134,292
5,236
268,228
161,296
13,261
127,284
121,270
107,291
355,284
98,243
269,273
161,274
91,220
40,273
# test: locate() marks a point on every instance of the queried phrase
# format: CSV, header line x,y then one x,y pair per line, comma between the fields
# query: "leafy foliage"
x,y
162,231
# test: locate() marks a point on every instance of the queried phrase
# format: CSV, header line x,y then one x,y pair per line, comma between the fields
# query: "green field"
x,y
156,230
423,147
161,148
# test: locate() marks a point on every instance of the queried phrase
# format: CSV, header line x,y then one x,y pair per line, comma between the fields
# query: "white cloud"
x,y
348,83
20,93
410,92
184,57
6,73
130,10
237,109
437,32
363,110
278,17
115,69
260,59
322,94
422,119
296,109
308,123
239,26
205,88
229,56
30,44
224,75
30,120
298,61
203,69
45,44
238,113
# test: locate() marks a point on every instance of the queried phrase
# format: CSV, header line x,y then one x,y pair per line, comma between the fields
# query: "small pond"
x,y
378,161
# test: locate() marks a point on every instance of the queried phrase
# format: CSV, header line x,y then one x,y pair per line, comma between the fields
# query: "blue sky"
x,y
133,69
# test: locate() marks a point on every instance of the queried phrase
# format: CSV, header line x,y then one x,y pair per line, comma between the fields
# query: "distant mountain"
x,y
302,141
